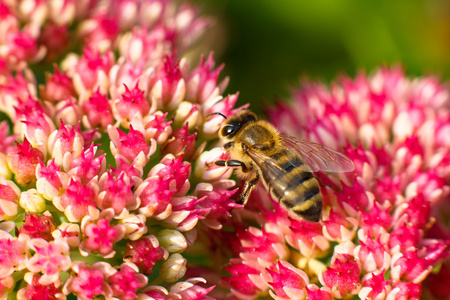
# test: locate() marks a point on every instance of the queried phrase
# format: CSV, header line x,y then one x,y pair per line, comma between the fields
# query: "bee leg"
x,y
249,185
232,163
243,198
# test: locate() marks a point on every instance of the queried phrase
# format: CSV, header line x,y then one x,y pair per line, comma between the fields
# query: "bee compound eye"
x,y
227,130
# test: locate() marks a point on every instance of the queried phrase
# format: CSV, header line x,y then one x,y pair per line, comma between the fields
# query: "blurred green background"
x,y
267,45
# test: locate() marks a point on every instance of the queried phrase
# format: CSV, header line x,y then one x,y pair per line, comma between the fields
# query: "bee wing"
x,y
319,157
272,170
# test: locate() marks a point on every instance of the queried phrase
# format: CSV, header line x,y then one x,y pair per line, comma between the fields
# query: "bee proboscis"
x,y
283,163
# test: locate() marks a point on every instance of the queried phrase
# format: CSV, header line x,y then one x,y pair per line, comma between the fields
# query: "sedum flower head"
x,y
384,228
97,170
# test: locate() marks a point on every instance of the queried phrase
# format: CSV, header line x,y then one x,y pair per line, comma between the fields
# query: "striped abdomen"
x,y
295,189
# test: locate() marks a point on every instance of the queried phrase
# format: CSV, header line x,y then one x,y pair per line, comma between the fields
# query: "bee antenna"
x,y
217,113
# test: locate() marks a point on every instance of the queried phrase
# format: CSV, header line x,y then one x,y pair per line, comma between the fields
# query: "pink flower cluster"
x,y
103,169
384,232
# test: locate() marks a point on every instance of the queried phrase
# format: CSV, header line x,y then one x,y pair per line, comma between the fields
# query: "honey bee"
x,y
284,163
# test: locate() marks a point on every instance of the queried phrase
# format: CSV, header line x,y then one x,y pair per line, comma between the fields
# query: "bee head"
x,y
234,123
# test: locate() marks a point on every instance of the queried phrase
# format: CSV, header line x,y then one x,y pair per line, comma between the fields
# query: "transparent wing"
x,y
319,157
271,169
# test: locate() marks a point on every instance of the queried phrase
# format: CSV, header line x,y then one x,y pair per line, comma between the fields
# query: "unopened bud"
x,y
22,161
188,113
173,268
32,201
172,240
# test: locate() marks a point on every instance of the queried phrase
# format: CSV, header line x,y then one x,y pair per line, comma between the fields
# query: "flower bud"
x,y
9,196
7,284
48,179
201,84
98,111
173,268
65,144
5,172
33,123
58,86
191,288
69,232
181,143
343,276
145,253
22,161
172,240
287,281
188,112
32,201
168,87
131,104
134,226
38,226
157,128
91,70
130,144
55,37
